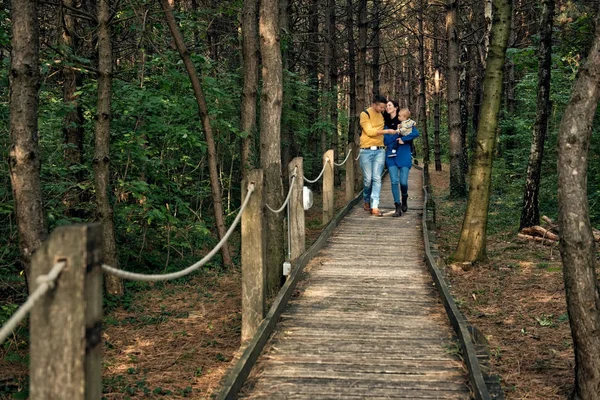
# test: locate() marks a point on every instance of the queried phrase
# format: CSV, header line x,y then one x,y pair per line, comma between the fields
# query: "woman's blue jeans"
x,y
371,163
399,175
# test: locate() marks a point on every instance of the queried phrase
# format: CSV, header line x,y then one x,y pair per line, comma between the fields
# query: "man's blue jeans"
x,y
371,163
399,175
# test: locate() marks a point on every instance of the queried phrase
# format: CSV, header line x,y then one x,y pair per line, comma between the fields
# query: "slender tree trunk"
x,y
464,110
288,150
436,106
104,210
530,215
458,186
577,245
361,76
352,112
73,121
203,113
250,57
333,81
375,67
422,87
24,157
270,136
317,135
326,106
471,245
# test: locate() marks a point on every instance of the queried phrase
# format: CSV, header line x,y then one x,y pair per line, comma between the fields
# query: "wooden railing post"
x,y
66,324
297,230
254,274
328,187
350,172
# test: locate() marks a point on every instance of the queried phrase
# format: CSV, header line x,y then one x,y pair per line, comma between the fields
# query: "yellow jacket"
x,y
370,124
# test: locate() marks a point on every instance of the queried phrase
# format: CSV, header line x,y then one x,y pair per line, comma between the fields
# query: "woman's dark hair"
x,y
395,103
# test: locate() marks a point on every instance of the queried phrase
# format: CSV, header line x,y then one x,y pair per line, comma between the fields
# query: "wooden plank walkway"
x,y
367,322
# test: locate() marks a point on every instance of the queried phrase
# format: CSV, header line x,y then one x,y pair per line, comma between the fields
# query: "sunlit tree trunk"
x,y
270,137
471,245
215,184
577,246
530,215
250,57
24,157
458,186
104,208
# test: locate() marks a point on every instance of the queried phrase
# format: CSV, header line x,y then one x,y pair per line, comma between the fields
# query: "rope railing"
x,y
357,156
287,199
346,159
165,277
45,283
321,174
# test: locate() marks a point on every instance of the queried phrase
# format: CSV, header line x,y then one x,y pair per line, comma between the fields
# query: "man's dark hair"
x,y
379,99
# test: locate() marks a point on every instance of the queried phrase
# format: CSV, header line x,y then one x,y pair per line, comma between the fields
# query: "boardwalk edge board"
x,y
235,378
484,388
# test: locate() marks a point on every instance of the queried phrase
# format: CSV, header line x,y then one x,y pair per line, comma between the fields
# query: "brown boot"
x,y
375,212
367,207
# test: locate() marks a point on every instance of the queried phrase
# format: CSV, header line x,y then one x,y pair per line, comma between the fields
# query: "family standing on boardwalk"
x,y
387,132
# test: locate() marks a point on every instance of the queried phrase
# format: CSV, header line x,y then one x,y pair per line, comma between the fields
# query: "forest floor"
x,y
516,299
165,340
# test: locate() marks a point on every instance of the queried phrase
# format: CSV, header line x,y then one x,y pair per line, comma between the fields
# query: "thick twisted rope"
x,y
45,283
346,159
158,277
321,174
357,156
287,199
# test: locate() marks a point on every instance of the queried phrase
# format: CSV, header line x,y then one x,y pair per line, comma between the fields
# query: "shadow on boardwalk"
x,y
366,322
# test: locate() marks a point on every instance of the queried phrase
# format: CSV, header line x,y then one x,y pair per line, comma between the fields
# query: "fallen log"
x,y
539,231
537,239
554,228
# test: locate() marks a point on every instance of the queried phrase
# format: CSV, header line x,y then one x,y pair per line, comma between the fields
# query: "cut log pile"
x,y
549,233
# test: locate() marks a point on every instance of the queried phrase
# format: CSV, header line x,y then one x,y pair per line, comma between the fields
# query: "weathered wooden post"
x,y
328,187
297,227
350,172
254,274
66,324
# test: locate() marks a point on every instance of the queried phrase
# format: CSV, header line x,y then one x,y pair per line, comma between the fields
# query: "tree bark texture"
x,y
422,87
471,245
353,135
250,56
317,135
361,75
331,21
24,157
203,113
577,247
270,136
458,185
437,151
530,215
464,110
73,122
104,209
375,67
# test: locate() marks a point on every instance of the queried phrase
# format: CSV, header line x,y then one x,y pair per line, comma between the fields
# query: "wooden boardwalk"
x,y
367,321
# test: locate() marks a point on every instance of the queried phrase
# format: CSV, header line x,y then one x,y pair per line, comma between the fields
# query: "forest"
x,y
147,115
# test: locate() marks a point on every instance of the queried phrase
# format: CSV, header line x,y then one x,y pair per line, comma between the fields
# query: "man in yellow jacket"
x,y
372,152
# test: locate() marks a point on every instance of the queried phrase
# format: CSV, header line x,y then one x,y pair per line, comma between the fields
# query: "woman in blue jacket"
x,y
399,164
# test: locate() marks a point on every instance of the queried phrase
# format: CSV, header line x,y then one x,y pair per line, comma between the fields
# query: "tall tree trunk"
x,y
530,215
361,76
471,245
464,110
317,135
458,186
250,57
352,120
326,106
422,87
577,246
333,81
203,113
436,107
288,146
24,157
73,121
104,209
270,148
375,67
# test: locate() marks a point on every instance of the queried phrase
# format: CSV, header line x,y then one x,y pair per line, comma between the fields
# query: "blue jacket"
x,y
403,154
